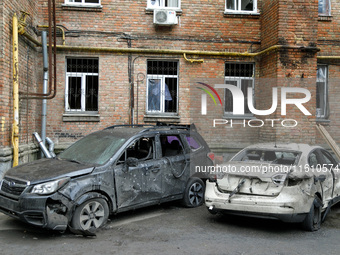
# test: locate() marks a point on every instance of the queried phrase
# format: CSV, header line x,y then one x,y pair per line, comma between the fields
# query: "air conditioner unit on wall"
x,y
164,17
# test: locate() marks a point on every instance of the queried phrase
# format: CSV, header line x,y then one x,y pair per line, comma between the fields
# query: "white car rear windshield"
x,y
268,156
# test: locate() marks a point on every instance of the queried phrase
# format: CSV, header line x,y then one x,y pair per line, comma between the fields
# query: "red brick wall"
x,y
27,74
328,41
291,67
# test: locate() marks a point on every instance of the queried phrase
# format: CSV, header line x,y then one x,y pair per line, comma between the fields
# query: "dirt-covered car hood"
x,y
48,169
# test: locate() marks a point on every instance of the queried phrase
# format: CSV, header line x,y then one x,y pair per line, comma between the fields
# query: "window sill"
x,y
161,118
79,7
81,117
246,15
177,10
322,121
326,18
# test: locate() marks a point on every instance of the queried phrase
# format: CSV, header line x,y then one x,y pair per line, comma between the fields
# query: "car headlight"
x,y
49,187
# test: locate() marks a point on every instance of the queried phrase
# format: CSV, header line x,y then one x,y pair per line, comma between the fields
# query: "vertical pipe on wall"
x,y
15,127
45,84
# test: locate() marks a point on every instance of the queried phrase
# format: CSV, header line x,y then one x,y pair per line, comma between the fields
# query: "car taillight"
x,y
211,155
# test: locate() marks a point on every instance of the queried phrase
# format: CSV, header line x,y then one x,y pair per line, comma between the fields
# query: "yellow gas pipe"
x,y
15,127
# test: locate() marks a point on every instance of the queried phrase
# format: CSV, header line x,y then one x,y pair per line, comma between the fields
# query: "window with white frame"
x,y
81,93
162,87
321,91
240,75
324,7
83,2
173,4
246,6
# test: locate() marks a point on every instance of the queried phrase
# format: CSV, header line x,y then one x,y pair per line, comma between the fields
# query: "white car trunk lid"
x,y
253,178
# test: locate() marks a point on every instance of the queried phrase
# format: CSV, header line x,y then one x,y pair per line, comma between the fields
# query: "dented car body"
x,y
289,182
109,171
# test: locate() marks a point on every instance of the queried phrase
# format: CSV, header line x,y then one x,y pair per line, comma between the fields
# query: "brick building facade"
x,y
113,47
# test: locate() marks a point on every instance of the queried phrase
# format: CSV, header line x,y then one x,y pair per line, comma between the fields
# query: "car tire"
x,y
90,215
312,222
194,193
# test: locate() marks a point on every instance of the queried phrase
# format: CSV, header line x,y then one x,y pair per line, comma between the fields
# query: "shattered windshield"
x,y
96,148
268,156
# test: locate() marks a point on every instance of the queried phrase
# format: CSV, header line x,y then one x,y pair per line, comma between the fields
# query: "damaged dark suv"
x,y
109,171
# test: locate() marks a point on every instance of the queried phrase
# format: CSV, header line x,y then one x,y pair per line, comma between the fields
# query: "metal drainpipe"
x,y
50,146
59,27
15,127
42,146
45,84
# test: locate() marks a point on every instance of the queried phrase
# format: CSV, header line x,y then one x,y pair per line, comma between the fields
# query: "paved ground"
x,y
172,229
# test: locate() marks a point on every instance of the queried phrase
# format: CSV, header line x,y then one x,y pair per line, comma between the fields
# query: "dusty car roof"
x,y
285,146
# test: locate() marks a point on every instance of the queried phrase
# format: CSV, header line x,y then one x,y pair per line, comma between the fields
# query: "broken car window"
x,y
193,143
171,145
142,149
328,159
268,156
313,160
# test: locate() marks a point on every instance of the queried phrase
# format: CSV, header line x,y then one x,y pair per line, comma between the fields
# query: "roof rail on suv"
x,y
158,125
127,125
172,126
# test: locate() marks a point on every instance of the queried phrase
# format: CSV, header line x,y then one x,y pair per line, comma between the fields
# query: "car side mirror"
x,y
131,162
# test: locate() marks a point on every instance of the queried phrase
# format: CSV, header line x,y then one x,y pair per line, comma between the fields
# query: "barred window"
x,y
162,86
81,93
240,75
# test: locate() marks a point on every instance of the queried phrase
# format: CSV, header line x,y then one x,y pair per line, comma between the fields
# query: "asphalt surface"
x,y
172,229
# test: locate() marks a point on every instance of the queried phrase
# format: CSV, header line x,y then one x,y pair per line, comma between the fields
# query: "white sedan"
x,y
289,182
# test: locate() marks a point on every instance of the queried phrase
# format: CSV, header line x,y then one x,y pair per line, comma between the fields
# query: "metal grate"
x,y
239,70
162,67
82,65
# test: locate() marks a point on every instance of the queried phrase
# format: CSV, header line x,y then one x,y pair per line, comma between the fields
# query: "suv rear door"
x,y
176,165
